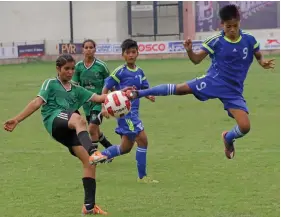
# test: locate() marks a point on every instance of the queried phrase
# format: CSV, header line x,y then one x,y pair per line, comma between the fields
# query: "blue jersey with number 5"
x,y
231,60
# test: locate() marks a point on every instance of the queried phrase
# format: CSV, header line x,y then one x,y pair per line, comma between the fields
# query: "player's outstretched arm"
x,y
196,58
33,106
266,64
98,98
105,90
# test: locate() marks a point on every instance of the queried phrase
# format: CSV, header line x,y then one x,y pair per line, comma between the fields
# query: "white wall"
x,y
121,21
31,21
102,21
95,20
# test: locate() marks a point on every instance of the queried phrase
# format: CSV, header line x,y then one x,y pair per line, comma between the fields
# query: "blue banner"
x,y
33,50
254,14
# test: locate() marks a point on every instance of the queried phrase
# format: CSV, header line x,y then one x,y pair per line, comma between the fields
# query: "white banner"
x,y
8,52
154,47
177,46
108,49
269,44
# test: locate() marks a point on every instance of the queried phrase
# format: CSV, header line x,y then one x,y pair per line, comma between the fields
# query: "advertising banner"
x,y
177,46
76,48
254,14
270,44
32,50
154,47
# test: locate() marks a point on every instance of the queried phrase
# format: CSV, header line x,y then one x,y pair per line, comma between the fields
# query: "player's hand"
x,y
150,98
187,44
105,113
268,64
10,125
128,88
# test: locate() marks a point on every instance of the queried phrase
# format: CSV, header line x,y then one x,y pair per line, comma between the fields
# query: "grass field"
x,y
40,179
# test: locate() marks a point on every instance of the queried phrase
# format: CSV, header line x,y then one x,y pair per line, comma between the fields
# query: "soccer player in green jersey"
x,y
60,101
90,73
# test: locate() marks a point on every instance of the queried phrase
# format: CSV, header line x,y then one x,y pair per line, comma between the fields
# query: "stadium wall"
x,y
51,20
48,23
104,21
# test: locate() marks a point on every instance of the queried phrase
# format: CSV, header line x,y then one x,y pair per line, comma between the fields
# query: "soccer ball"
x,y
117,104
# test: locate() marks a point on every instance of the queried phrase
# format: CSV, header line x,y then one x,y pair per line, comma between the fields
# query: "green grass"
x,y
40,179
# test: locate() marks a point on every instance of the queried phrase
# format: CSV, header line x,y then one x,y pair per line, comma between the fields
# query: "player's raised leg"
x,y
240,130
89,183
117,150
79,124
161,90
141,153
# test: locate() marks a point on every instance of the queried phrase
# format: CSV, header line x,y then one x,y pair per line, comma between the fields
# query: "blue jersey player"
x,y
130,127
232,52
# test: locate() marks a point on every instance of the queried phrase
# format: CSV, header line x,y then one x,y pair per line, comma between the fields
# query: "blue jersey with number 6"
x,y
226,75
231,60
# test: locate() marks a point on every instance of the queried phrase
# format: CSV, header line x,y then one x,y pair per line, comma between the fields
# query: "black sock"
x,y
86,142
105,143
90,192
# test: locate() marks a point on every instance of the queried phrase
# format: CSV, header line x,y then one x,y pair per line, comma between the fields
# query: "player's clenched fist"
x,y
187,44
10,125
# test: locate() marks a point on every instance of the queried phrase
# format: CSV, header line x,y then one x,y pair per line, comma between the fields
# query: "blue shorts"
x,y
207,87
130,126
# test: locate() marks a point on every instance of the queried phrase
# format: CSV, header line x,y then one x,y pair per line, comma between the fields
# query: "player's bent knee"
x,y
82,121
245,127
74,119
183,89
126,150
142,143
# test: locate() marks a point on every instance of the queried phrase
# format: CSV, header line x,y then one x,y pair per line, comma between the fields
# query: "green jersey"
x,y
92,78
58,99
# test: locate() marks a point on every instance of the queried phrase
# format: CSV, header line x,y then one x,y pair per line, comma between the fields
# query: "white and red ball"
x,y
117,104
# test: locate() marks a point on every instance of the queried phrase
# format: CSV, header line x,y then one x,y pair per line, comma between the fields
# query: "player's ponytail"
x,y
63,59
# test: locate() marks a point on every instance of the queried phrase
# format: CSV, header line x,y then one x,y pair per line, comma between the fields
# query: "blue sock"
x,y
160,90
233,134
112,151
141,161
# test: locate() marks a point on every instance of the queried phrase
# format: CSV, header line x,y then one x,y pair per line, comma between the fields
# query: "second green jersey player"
x,y
90,73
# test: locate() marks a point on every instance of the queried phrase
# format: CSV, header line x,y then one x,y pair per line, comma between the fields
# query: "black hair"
x,y
229,12
129,43
63,59
89,40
